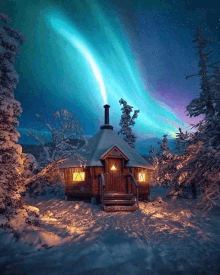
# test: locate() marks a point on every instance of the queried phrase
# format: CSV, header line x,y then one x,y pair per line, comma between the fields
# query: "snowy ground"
x,y
171,237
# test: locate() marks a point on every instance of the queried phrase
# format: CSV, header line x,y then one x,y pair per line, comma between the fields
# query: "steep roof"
x,y
102,142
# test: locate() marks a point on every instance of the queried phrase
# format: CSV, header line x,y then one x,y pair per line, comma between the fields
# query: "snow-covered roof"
x,y
102,142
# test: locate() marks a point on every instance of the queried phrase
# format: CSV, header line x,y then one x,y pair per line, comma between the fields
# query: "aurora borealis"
x,y
69,33
113,74
81,55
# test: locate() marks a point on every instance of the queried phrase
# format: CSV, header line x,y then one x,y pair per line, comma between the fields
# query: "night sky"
x,y
80,55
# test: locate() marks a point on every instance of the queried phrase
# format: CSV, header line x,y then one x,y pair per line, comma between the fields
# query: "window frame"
x,y
78,170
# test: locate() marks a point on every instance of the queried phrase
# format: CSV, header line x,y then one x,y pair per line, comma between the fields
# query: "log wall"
x,y
91,184
96,185
77,187
144,186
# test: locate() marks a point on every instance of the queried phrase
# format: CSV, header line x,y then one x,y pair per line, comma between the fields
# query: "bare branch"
x,y
191,75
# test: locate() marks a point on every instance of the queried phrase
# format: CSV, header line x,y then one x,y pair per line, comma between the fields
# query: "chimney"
x,y
106,125
106,106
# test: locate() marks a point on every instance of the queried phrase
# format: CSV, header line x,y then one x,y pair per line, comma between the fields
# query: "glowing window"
x,y
141,177
79,176
113,167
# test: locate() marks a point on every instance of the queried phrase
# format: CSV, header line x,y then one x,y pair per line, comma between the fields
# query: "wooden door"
x,y
114,179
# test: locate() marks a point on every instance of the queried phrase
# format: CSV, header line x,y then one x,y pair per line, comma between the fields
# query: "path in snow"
x,y
172,237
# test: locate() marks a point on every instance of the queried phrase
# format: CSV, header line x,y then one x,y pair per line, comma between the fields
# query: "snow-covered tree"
x,y
10,109
163,148
182,141
62,128
161,161
196,172
202,168
216,81
153,159
30,165
126,122
168,169
216,89
203,105
164,172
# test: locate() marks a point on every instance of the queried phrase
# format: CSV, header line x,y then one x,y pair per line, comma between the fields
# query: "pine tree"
x,y
216,89
127,121
153,156
201,160
161,161
216,81
197,170
204,104
164,148
182,141
153,160
10,110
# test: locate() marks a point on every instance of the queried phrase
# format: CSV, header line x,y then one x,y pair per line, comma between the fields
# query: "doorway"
x,y
114,178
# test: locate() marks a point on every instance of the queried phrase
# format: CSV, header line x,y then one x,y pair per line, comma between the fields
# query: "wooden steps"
x,y
113,202
115,196
120,202
116,208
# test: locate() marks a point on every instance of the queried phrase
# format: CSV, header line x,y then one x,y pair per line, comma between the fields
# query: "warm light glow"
x,y
48,219
113,168
141,177
79,176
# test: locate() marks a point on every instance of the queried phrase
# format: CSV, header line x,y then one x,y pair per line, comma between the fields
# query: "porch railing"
x,y
133,180
102,186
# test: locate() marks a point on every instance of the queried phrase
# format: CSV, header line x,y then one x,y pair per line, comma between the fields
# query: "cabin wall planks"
x,y
91,186
77,187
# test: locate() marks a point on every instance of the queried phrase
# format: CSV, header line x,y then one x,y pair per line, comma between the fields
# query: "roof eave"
x,y
107,151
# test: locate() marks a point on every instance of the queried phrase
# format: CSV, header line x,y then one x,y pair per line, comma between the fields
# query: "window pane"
x,y
141,177
79,176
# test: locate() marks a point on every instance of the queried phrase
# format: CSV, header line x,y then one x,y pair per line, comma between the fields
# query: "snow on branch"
x,y
64,128
11,160
4,18
127,121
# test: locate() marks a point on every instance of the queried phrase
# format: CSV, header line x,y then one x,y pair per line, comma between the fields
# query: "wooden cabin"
x,y
114,174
